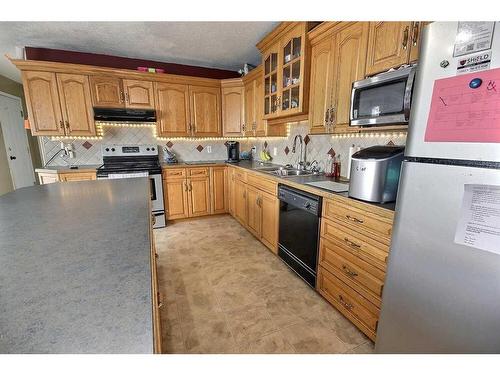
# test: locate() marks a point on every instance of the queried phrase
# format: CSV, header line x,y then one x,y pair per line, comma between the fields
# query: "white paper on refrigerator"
x,y
479,222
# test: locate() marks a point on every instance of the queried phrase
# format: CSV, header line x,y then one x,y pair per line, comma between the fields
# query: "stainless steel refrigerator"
x,y
442,290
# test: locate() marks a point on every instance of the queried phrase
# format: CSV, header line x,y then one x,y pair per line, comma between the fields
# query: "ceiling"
x,y
224,45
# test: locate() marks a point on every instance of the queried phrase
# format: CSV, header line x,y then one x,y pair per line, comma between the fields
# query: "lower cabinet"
x,y
51,177
240,202
192,192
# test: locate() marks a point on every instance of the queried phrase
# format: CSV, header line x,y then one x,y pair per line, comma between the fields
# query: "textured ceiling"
x,y
224,45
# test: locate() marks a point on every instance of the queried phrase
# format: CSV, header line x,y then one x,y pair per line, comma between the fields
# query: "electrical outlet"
x,y
275,151
209,149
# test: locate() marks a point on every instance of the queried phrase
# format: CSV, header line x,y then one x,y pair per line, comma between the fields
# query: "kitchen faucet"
x,y
300,162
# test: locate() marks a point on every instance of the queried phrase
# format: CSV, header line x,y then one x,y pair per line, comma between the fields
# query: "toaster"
x,y
375,173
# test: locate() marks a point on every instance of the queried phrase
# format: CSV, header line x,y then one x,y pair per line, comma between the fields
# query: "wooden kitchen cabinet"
x,y
233,105
42,100
390,45
107,91
175,198
78,176
231,190
199,196
254,213
205,111
172,109
240,201
255,125
65,176
218,190
338,59
76,105
269,205
285,59
138,94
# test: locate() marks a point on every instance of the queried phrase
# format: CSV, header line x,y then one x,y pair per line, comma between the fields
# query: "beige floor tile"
x,y
173,341
274,343
347,332
249,324
366,348
313,337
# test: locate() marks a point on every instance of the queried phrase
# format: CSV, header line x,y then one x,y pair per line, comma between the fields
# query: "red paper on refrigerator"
x,y
465,108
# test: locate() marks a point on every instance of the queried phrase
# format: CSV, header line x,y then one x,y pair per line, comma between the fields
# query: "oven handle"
x,y
408,92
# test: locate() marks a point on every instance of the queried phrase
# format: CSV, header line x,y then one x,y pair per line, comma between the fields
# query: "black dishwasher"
x,y
299,231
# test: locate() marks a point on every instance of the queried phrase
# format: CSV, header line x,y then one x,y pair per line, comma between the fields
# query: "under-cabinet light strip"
x,y
370,135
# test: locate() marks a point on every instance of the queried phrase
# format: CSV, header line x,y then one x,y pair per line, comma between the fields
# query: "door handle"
x,y
12,157
61,124
190,186
416,26
67,124
405,37
126,96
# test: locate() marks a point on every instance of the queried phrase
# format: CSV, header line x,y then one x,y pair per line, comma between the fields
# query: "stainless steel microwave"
x,y
383,99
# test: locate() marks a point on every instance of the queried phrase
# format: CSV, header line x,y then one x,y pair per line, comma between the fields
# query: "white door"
x,y
16,141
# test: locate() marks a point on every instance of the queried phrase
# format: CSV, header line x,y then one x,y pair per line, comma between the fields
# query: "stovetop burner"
x,y
129,159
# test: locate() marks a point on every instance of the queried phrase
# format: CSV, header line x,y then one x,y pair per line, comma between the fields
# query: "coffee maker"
x,y
233,151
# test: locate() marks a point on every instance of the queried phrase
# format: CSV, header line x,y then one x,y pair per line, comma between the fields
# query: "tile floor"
x,y
225,292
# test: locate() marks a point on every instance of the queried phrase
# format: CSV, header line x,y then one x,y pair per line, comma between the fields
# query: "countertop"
x,y
66,169
297,180
75,272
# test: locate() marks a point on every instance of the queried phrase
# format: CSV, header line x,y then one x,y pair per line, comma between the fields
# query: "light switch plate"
x,y
209,149
275,151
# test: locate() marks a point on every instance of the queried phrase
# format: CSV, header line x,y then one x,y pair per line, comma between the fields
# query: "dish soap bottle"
x,y
329,172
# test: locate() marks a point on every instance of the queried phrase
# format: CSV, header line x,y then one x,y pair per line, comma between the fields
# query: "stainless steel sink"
x,y
282,172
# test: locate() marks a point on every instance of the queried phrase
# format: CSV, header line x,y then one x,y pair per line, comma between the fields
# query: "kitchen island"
x,y
77,269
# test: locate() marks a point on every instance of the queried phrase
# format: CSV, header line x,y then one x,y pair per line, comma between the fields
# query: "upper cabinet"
x,y
76,106
205,111
338,59
286,76
232,107
113,92
107,92
59,104
138,93
391,44
172,109
42,100
255,125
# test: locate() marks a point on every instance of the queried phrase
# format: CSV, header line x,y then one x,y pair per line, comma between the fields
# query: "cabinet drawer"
x,y
198,172
240,175
350,303
262,183
352,270
356,243
353,217
174,173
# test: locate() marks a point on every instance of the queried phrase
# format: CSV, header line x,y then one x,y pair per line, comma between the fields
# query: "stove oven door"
x,y
156,192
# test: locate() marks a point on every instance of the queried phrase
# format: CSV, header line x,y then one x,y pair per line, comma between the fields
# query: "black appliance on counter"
x,y
124,114
299,231
233,151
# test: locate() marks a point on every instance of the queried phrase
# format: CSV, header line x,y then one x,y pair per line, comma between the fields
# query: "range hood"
x,y
124,114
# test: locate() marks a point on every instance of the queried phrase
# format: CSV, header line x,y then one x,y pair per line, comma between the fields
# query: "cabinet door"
x,y
232,111
138,94
78,176
172,109
291,71
175,198
218,184
388,46
260,123
199,196
205,111
76,105
250,123
42,100
47,178
349,65
240,202
253,211
231,191
269,206
271,83
416,36
321,82
107,92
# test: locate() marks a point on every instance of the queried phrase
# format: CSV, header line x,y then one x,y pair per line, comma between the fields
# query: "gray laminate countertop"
x,y
75,271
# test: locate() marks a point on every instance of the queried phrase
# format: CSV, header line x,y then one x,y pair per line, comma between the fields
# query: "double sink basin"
x,y
284,171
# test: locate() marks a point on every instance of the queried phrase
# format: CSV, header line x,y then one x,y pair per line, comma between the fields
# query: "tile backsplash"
x,y
317,147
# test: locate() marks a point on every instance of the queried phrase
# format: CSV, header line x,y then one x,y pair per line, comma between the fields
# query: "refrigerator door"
x,y
437,46
439,296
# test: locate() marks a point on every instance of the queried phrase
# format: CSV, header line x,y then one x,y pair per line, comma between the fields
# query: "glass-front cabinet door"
x,y
271,84
292,74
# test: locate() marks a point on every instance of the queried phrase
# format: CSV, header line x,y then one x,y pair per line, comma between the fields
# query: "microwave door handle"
x,y
408,92
351,112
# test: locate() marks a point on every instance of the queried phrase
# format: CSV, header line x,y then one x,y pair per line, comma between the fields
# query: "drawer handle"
x,y
347,305
353,244
348,271
356,220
